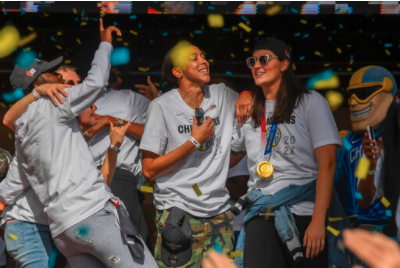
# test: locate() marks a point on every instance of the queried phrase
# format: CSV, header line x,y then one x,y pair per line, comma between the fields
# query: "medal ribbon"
x,y
271,137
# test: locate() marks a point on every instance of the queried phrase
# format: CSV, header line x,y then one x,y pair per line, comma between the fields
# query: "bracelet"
x,y
246,91
159,94
115,148
371,172
35,94
196,143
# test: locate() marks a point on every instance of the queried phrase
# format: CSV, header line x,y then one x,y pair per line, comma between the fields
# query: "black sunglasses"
x,y
262,59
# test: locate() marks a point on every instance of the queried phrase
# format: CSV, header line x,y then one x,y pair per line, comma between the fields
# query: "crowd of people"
x,y
81,149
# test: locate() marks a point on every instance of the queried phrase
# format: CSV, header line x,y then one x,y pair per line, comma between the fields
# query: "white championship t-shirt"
x,y
168,126
310,126
129,106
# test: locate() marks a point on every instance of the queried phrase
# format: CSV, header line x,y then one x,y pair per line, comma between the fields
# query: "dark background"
x,y
365,37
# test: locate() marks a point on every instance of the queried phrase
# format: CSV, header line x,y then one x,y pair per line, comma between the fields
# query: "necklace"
x,y
195,106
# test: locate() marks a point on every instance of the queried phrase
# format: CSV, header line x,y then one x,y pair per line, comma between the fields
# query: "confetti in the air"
x,y
333,230
215,20
362,168
385,202
146,189
235,254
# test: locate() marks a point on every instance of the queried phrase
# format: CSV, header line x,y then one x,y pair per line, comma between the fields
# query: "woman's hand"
x,y
203,132
243,107
117,134
150,91
314,238
376,147
53,91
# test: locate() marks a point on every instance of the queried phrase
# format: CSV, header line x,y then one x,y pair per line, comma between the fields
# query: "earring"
x,y
181,75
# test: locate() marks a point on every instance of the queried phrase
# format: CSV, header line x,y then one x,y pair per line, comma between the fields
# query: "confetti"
x,y
385,202
215,20
59,47
146,189
53,258
353,216
334,98
75,11
339,50
232,55
362,168
25,58
358,195
30,28
13,236
388,212
275,9
268,213
303,21
59,33
317,53
235,254
261,32
120,56
143,69
378,228
196,189
318,25
10,136
3,105
228,73
335,219
13,96
346,144
84,23
132,17
46,15
67,61
333,231
245,27
133,32
9,37
78,41
387,52
217,248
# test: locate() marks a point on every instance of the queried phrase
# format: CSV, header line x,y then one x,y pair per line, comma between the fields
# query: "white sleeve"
x,y
155,135
13,184
141,104
81,96
320,122
238,144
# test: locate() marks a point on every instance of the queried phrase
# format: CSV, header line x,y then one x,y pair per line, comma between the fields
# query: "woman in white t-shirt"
x,y
302,149
189,162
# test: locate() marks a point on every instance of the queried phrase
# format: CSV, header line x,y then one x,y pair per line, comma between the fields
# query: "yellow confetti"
x,y
46,15
59,47
191,35
30,28
327,64
143,69
349,69
339,50
156,84
245,27
332,82
232,55
303,21
294,67
246,40
234,28
84,23
103,14
317,53
79,41
59,33
318,25
146,189
75,11
211,60
235,254
351,61
13,236
215,20
335,219
362,168
353,216
196,189
248,22
10,136
261,32
268,213
385,202
387,52
125,44
133,32
3,105
334,98
333,231
67,61
180,53
200,3
398,65
246,49
119,39
273,10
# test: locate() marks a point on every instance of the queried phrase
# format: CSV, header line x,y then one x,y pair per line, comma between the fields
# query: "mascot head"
x,y
370,93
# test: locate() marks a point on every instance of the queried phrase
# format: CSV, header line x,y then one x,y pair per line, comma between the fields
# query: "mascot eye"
x,y
364,92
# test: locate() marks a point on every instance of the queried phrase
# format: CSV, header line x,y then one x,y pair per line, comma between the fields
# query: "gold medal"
x,y
265,169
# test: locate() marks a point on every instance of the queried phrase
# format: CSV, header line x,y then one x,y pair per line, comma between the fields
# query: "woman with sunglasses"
x,y
186,147
290,139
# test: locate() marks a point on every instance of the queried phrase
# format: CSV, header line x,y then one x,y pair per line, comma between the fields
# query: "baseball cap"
x,y
279,48
176,245
5,161
23,77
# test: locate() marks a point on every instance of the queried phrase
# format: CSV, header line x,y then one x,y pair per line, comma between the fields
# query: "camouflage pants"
x,y
205,232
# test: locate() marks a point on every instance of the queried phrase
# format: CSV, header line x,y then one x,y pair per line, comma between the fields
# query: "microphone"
x,y
199,114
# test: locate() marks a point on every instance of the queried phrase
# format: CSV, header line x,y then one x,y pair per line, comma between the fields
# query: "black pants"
x,y
264,247
124,186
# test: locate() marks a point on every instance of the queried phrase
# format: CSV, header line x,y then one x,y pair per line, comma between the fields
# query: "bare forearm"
x,y
156,167
17,110
135,130
324,190
109,165
367,189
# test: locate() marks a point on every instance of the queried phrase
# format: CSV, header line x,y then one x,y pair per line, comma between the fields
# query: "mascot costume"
x,y
371,100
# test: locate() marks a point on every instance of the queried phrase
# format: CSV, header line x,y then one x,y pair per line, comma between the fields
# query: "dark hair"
x,y
166,69
290,93
391,163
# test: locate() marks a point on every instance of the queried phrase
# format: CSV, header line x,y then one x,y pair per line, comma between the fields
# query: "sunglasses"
x,y
262,59
365,94
199,114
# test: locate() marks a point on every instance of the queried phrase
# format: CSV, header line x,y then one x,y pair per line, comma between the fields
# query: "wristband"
x,y
35,94
371,172
115,148
159,94
246,91
196,143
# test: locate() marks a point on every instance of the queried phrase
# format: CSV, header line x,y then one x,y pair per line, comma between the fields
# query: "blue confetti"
x,y
319,76
211,7
340,26
53,257
23,12
13,96
132,17
52,38
120,56
115,23
295,11
151,214
5,11
198,31
226,29
346,144
84,231
359,195
25,58
244,18
140,25
165,34
388,45
351,56
217,248
388,212
306,35
302,58
151,41
323,28
361,30
297,34
228,73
